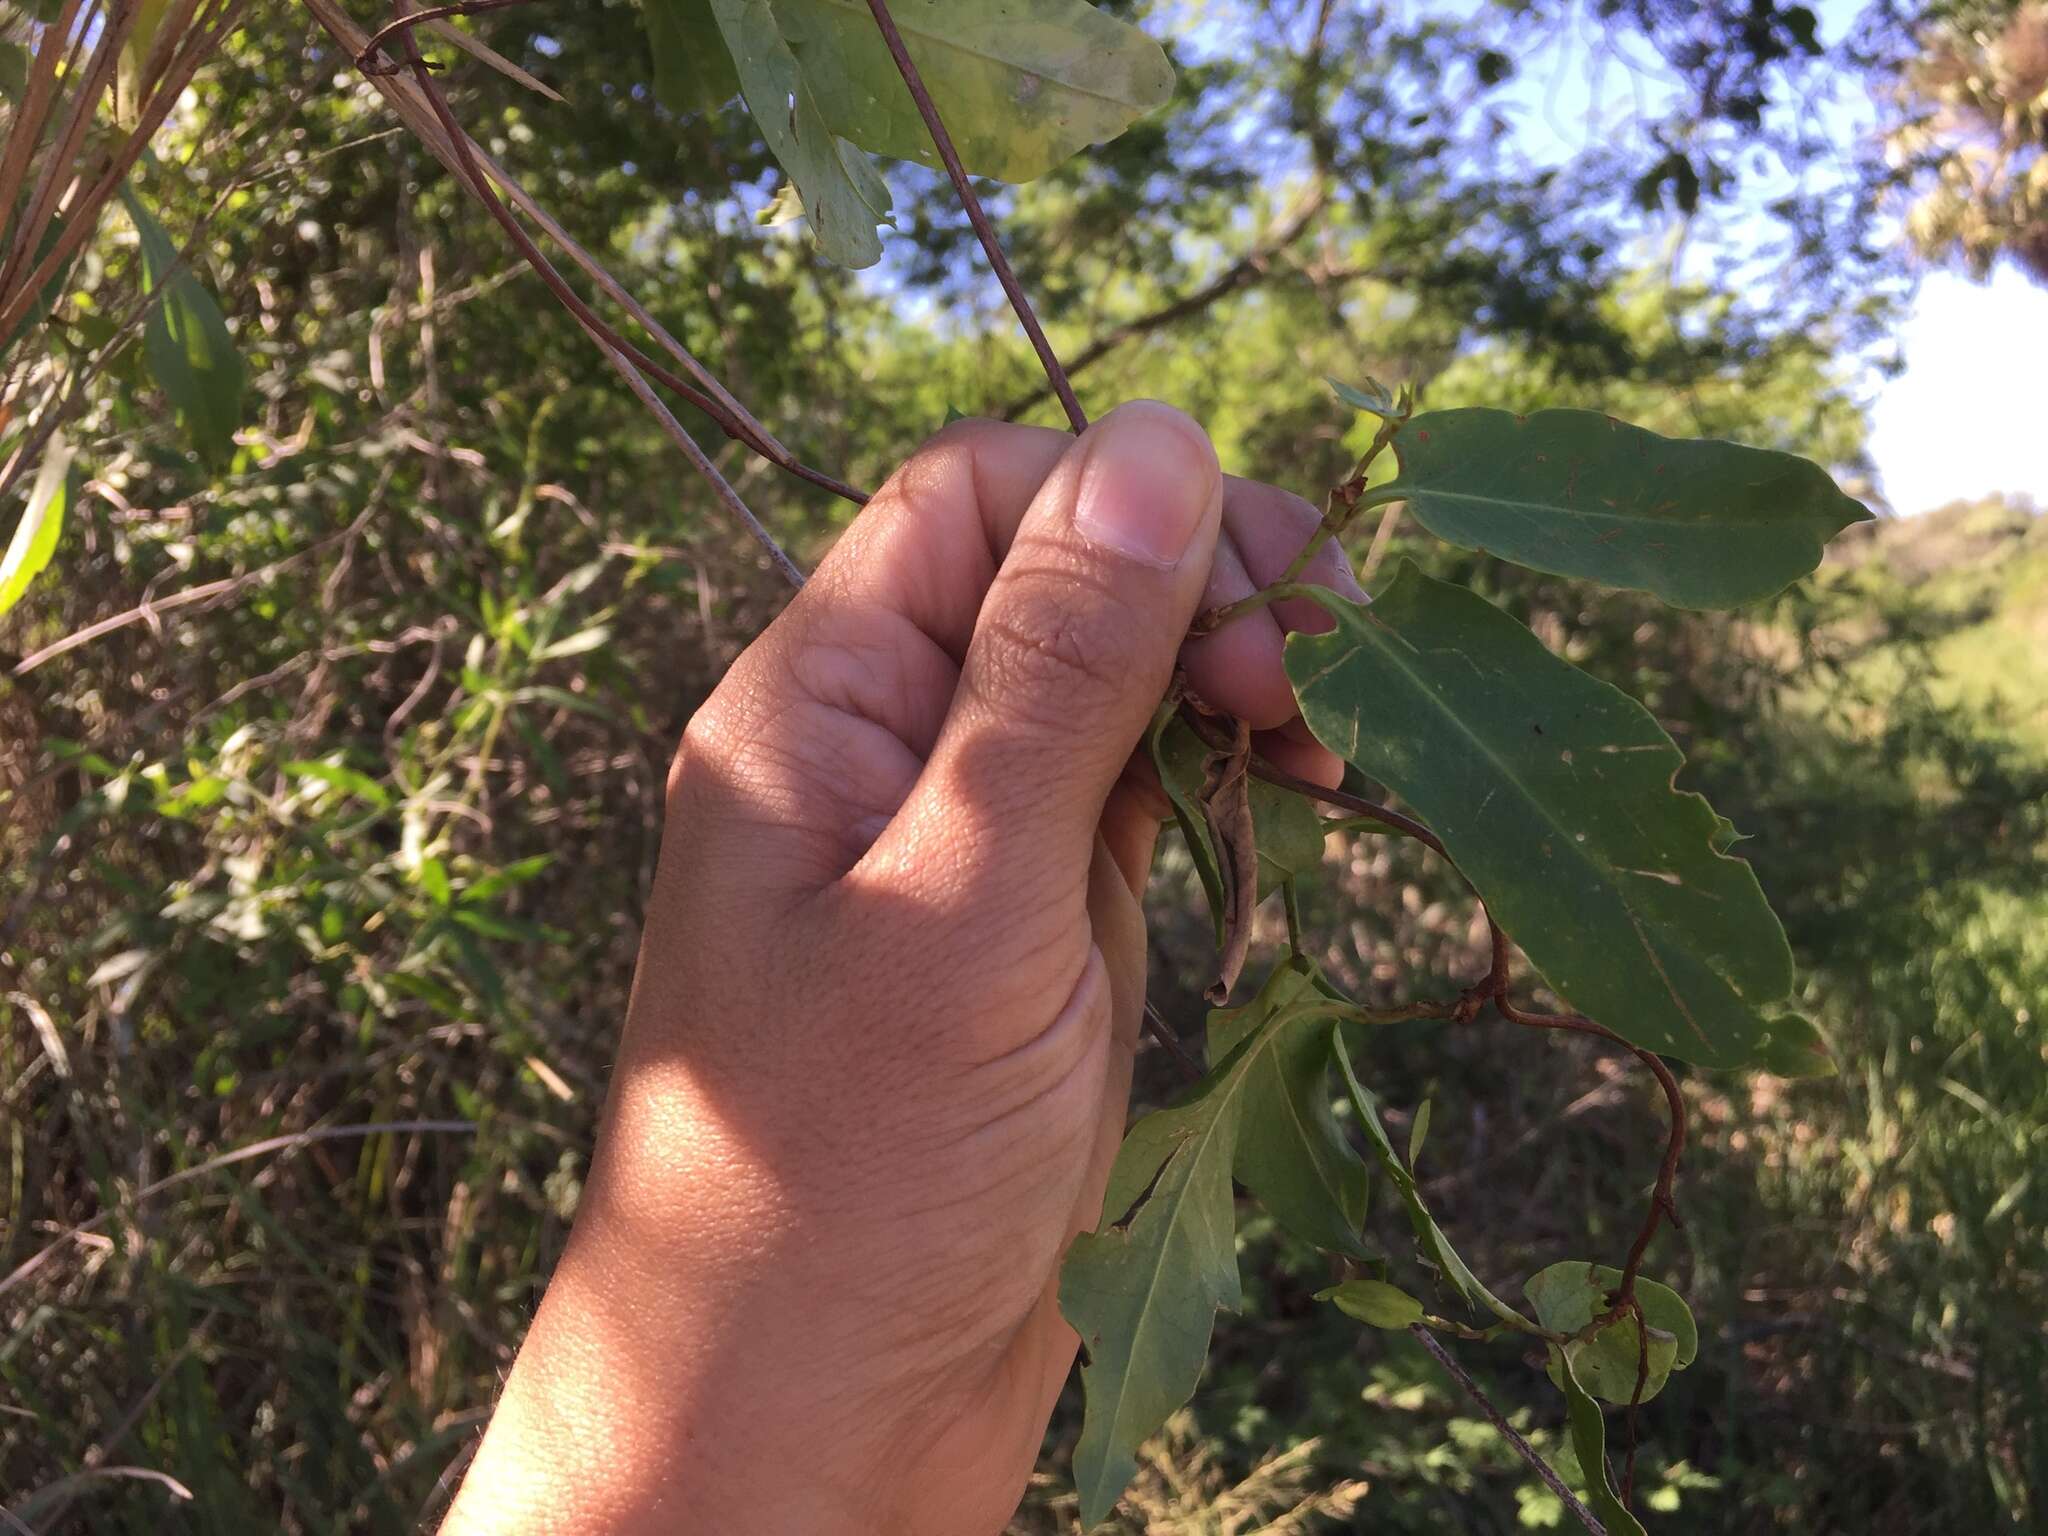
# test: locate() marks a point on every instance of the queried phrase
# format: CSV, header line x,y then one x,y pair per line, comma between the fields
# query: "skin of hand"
x,y
877,1059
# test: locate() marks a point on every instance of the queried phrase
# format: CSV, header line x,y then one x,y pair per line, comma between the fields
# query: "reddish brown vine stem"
x,y
733,424
1055,373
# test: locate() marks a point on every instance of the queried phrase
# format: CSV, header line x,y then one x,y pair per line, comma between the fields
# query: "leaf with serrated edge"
x,y
1701,523
1589,1444
1143,1292
1435,1246
1020,88
844,197
1291,1153
1553,793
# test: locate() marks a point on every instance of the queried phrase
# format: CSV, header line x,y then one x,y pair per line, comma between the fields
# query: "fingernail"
x,y
1149,482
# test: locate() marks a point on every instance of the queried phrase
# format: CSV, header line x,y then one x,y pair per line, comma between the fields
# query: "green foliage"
x,y
1021,88
1568,1297
327,846
844,198
1553,793
1589,1442
42,521
1701,524
191,355
1144,1291
1291,1153
693,72
1374,1303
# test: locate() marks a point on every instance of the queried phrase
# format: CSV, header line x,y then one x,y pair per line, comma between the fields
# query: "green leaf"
x,y
1795,1048
1021,88
1144,1290
1374,1302
1418,1133
1291,1153
1589,1444
843,196
1178,755
1567,1298
1436,1248
337,776
135,52
1702,524
1290,835
186,342
42,520
1553,794
693,72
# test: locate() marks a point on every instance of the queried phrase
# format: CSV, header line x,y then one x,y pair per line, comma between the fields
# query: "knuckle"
x,y
1056,648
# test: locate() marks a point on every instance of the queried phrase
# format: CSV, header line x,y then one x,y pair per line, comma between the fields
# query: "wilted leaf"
x,y
844,198
693,71
1374,1302
1553,793
1291,1153
1702,524
42,520
186,342
1020,88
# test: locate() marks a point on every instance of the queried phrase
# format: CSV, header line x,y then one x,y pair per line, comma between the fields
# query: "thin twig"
x,y
427,115
1163,1033
1254,267
366,55
1521,1447
984,231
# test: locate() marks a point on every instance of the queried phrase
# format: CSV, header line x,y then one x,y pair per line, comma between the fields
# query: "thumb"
x,y
1072,650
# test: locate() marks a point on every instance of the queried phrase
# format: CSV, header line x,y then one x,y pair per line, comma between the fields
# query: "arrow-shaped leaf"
x,y
1568,1296
1702,524
1144,1290
1553,793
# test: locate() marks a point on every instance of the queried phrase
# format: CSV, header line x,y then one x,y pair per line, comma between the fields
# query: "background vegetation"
x,y
331,762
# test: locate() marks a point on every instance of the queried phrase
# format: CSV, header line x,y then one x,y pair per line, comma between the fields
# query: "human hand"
x,y
878,1054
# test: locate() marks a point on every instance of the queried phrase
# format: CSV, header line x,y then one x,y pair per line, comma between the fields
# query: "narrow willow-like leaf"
x,y
1144,1290
1020,87
693,71
1568,1296
1436,1248
1374,1303
844,198
1553,793
186,342
42,520
1702,524
1290,1151
1589,1444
